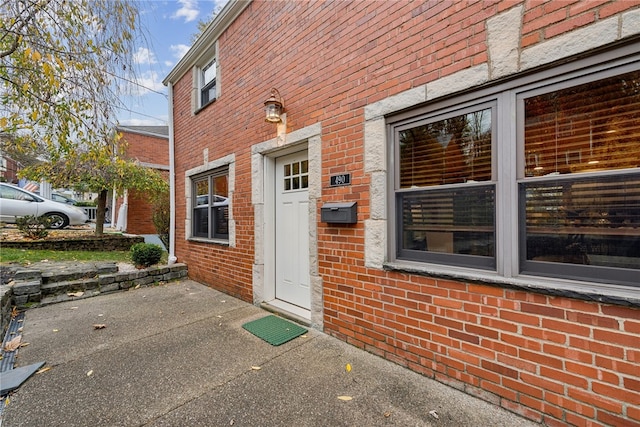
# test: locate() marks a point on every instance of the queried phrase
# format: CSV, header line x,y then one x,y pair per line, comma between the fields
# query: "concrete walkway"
x,y
176,355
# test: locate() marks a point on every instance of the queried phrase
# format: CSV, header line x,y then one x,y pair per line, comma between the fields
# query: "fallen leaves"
x,y
90,373
99,326
348,367
83,232
43,370
345,398
13,344
75,294
256,368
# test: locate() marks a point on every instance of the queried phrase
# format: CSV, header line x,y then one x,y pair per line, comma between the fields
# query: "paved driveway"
x,y
176,355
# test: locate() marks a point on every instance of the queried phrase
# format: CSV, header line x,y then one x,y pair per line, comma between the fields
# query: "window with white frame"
x,y
210,215
207,83
575,184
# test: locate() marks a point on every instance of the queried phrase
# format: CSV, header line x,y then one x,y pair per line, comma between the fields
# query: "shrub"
x,y
161,214
33,227
146,254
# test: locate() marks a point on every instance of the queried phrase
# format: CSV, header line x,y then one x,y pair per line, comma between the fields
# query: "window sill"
x,y
220,242
197,110
587,291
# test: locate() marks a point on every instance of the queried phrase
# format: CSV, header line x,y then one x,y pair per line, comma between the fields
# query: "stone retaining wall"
x,y
5,308
30,290
104,243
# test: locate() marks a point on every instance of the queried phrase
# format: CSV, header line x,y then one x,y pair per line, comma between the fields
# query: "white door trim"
x,y
263,157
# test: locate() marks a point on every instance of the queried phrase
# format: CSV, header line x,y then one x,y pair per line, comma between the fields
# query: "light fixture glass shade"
x,y
273,107
273,112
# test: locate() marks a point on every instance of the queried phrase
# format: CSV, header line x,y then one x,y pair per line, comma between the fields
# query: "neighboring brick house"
x,y
492,150
150,146
8,167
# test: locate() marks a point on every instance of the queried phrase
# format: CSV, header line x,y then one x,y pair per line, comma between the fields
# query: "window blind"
x,y
593,126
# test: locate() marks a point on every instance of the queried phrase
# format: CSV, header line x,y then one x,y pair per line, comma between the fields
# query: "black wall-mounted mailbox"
x,y
339,213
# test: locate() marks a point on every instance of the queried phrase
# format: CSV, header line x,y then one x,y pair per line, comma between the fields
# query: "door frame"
x,y
263,159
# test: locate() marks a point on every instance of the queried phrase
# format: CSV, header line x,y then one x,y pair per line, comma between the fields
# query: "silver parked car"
x,y
16,202
57,197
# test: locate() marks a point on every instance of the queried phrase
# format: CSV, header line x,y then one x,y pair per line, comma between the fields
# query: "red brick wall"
x,y
537,355
10,174
147,149
140,211
552,359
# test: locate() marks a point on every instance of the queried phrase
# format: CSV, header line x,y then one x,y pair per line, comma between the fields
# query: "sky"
x,y
168,26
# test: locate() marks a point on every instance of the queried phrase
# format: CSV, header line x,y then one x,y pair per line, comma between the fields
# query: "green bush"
x,y
33,227
146,254
161,215
87,204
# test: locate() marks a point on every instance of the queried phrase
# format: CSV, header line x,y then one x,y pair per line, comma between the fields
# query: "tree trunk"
x,y
100,212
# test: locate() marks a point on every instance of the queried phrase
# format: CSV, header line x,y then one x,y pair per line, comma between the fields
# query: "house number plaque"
x,y
342,179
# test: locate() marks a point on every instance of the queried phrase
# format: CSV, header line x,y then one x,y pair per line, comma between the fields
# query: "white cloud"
x,y
144,56
179,50
151,80
188,10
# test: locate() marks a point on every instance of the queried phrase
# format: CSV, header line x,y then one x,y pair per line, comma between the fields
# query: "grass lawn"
x,y
29,256
24,256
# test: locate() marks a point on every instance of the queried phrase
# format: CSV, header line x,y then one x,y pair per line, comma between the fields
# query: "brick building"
x,y
453,186
150,146
8,167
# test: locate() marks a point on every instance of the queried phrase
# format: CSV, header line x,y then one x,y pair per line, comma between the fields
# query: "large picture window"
x,y
580,194
445,190
544,171
211,206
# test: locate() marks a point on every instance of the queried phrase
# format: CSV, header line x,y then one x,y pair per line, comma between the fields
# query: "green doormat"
x,y
274,330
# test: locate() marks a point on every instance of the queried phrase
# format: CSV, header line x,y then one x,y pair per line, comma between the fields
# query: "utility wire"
x,y
137,84
142,114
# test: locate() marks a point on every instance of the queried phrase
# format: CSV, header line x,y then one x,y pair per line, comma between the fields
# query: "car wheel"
x,y
58,220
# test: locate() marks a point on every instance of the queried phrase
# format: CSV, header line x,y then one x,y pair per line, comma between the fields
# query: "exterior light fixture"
x,y
274,107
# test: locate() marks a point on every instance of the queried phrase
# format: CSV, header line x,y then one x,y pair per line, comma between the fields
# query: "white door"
x,y
292,230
